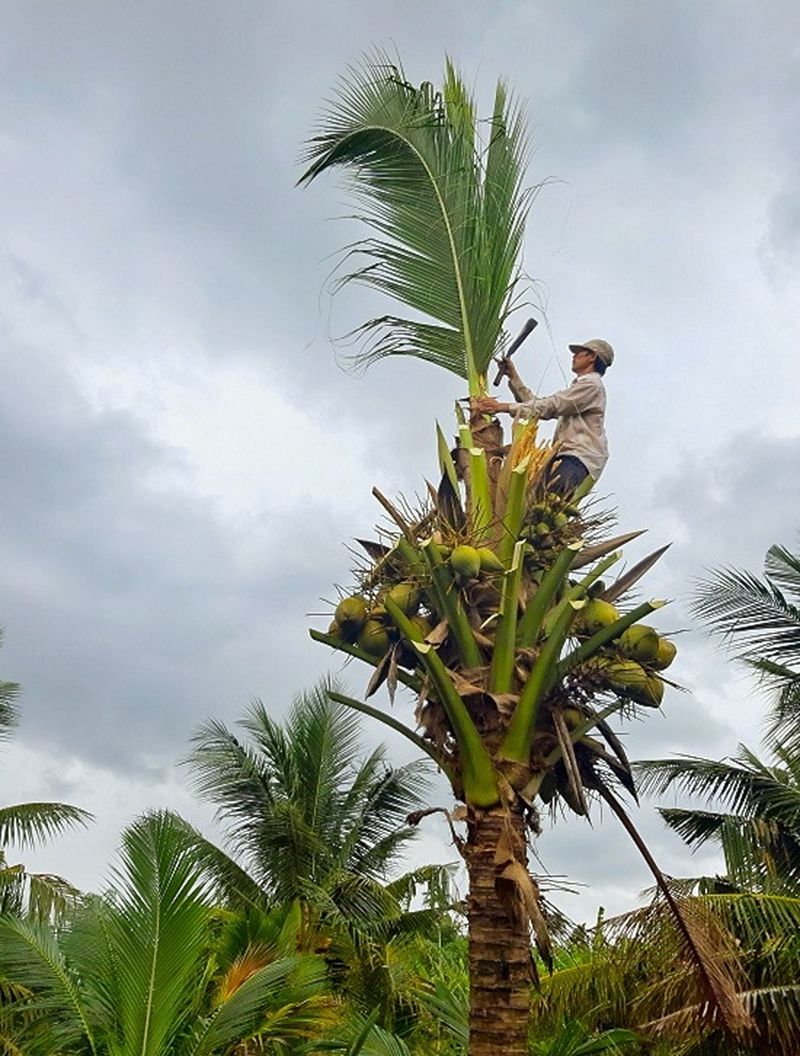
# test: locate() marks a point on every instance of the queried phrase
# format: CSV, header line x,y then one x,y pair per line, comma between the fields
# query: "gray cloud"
x,y
185,459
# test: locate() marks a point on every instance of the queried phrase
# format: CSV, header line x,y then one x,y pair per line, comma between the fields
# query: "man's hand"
x,y
489,405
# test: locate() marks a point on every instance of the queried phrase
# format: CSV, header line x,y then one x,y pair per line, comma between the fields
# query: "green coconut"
x,y
665,655
374,638
334,630
598,614
639,642
573,717
423,624
465,562
651,693
490,562
406,597
351,615
560,520
622,674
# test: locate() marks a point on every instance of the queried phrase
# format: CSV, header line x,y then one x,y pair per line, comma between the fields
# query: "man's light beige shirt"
x,y
581,412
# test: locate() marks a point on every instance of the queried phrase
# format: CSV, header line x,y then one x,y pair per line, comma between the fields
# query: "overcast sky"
x,y
184,459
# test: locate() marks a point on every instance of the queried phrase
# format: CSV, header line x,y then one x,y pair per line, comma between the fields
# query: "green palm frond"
x,y
232,883
8,711
783,569
446,208
28,824
755,616
158,932
30,955
279,1004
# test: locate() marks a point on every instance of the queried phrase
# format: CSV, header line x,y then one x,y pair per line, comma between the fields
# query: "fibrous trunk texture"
x,y
499,940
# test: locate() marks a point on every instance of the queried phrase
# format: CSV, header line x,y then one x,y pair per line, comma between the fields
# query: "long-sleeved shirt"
x,y
581,412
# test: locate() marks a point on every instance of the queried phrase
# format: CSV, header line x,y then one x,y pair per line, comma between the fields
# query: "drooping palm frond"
x,y
758,832
8,711
280,1003
28,824
446,208
30,955
755,616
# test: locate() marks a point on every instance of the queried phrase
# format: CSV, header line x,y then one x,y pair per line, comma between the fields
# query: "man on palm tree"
x,y
580,433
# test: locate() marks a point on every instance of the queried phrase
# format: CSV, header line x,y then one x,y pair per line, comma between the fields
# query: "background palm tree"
x,y
141,972
760,620
753,811
309,822
25,825
304,817
469,600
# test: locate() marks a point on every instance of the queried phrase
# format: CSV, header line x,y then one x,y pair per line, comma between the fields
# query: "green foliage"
x,y
299,812
446,209
40,896
135,973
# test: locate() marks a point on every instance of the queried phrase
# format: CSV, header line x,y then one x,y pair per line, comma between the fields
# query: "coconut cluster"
x,y
500,579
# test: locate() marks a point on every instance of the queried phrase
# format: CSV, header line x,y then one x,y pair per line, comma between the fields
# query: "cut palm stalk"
x,y
480,785
353,650
579,589
481,511
477,772
395,724
506,636
533,617
411,556
395,514
445,458
588,648
451,607
516,745
514,512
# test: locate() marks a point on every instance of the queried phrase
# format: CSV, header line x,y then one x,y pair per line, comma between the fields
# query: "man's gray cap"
x,y
602,349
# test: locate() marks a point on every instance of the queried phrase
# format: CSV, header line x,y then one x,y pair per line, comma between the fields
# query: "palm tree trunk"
x,y
499,942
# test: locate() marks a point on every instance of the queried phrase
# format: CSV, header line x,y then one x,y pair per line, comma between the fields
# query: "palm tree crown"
x,y
445,204
300,812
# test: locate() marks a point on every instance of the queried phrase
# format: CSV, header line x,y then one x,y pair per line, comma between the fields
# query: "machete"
x,y
527,329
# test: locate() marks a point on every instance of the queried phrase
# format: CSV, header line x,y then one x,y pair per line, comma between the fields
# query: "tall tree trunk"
x,y
499,940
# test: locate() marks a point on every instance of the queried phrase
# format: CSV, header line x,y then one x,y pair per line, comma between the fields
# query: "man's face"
x,y
582,361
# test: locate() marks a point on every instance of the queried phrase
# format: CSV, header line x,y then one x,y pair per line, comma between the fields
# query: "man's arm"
x,y
580,397
522,394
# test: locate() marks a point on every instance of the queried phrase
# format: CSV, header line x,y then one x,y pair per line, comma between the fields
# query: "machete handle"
x,y
527,329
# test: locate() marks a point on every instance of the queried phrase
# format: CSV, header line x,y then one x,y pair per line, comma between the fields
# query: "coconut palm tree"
x,y
25,825
308,822
487,601
753,805
305,820
760,620
757,821
143,971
